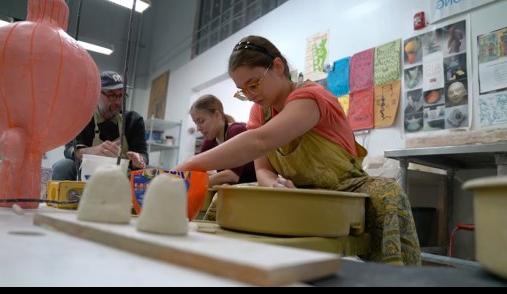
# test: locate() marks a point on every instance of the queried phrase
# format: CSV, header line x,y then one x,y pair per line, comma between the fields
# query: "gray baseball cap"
x,y
111,80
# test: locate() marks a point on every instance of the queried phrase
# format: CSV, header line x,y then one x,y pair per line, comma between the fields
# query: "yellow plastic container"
x,y
490,213
65,191
290,212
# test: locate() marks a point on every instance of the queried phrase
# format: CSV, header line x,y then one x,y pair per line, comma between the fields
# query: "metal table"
x,y
452,158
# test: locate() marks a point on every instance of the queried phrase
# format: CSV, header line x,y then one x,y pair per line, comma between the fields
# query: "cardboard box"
x,y
65,191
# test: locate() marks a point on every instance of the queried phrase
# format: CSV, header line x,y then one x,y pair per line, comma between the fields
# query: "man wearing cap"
x,y
102,135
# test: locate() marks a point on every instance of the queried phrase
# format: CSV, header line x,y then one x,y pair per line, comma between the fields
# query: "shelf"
x,y
154,147
166,155
160,124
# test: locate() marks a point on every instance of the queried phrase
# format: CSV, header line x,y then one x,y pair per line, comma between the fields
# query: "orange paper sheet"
x,y
387,100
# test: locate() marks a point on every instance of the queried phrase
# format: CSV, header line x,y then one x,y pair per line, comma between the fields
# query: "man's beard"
x,y
109,112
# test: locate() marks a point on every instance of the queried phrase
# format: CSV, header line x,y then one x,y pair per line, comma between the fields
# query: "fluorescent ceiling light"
x,y
95,48
140,5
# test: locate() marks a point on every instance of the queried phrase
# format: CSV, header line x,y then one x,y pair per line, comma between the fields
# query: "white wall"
x,y
353,26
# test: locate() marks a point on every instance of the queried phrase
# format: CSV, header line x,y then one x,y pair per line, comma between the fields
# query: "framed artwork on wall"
x,y
158,96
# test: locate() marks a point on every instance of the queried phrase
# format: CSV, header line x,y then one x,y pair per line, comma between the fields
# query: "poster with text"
x,y
493,61
387,100
433,71
387,63
317,56
361,70
361,110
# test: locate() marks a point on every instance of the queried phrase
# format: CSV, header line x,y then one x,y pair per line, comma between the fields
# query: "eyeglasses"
x,y
113,96
252,88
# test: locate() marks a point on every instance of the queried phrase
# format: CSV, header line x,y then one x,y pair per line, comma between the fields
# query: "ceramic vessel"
x,y
490,204
49,87
290,212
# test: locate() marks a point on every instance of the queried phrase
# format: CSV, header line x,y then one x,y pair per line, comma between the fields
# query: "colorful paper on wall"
x,y
361,110
338,78
493,61
493,109
317,55
345,103
388,63
361,70
387,100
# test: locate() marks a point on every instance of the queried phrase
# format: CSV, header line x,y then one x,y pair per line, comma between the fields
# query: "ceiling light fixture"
x,y
95,48
141,5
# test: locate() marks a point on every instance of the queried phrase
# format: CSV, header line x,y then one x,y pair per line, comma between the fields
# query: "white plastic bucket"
x,y
90,163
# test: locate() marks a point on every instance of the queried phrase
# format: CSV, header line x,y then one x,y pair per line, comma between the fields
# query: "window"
x,y
218,19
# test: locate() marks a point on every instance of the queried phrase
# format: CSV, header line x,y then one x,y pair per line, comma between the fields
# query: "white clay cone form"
x,y
106,197
165,207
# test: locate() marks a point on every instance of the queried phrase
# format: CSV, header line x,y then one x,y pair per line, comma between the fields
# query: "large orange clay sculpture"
x,y
49,87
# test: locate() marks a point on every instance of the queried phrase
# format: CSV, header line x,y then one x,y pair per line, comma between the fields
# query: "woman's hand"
x,y
137,160
282,182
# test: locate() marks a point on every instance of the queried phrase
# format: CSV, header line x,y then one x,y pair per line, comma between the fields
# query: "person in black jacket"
x,y
102,135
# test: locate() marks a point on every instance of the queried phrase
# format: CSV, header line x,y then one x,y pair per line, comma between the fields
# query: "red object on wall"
x,y
49,87
361,108
419,21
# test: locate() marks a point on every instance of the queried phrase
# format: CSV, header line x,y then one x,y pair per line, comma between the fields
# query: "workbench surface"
x,y
35,256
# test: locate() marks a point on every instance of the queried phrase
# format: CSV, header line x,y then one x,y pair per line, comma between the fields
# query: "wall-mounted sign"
x,y
442,9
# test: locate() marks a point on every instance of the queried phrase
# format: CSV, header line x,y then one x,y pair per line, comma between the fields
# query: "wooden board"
x,y
259,264
35,257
